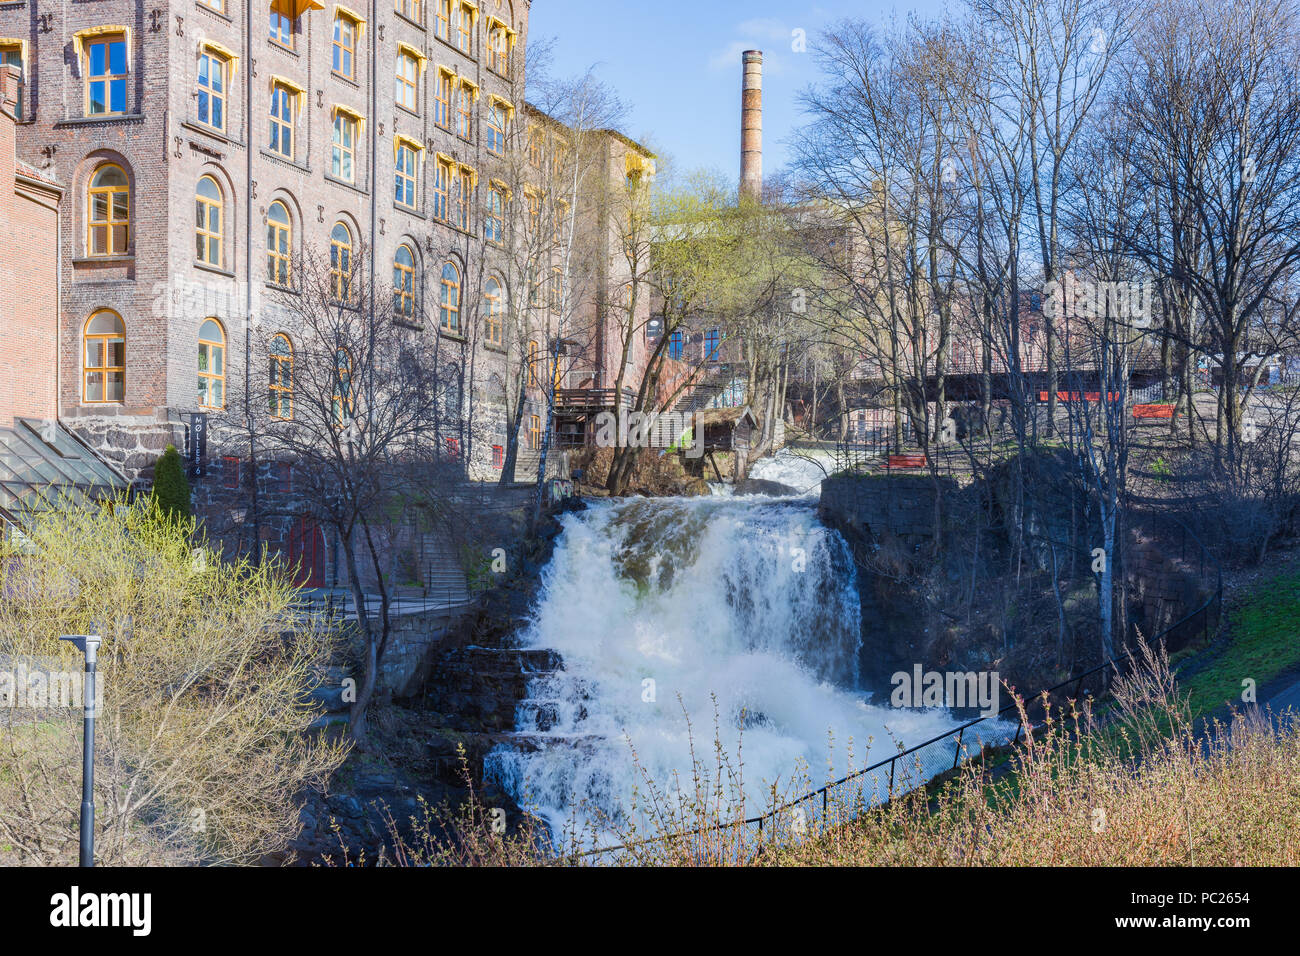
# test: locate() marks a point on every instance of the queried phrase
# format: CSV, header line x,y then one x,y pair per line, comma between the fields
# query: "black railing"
x,y
917,765
339,604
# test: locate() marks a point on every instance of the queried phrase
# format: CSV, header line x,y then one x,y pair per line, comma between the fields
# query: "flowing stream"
x,y
744,607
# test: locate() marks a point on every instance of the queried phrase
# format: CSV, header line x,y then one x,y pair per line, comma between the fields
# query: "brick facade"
x,y
29,307
148,65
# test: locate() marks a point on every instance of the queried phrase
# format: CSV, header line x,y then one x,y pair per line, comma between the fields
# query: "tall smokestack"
x,y
751,127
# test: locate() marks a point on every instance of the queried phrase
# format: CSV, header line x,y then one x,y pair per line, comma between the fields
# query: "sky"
x,y
676,65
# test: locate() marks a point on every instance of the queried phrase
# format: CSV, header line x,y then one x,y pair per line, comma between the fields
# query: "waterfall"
x,y
800,469
748,602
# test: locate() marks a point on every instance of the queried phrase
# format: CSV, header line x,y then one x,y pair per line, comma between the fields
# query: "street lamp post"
x,y
89,646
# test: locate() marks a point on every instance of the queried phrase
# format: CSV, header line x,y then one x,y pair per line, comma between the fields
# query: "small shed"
x,y
727,429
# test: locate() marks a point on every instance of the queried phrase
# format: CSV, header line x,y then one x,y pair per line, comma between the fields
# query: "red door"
x,y
307,553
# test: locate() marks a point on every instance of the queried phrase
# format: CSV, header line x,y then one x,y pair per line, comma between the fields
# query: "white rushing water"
x,y
800,469
747,601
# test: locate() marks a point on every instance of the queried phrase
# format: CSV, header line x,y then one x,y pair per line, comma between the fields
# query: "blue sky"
x,y
676,64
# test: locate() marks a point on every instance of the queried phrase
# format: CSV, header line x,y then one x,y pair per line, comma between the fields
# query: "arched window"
x,y
343,397
109,217
208,205
281,378
340,261
279,243
212,365
534,357
404,282
104,359
492,306
449,308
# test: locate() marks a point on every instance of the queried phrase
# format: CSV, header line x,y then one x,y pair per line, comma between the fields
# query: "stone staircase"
x,y
440,568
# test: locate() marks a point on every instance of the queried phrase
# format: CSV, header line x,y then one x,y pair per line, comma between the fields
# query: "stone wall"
x,y
877,506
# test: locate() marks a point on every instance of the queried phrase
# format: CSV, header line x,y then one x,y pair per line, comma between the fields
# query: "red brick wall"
x,y
29,305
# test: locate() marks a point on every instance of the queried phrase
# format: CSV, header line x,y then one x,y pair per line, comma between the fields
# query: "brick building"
x,y
29,302
206,147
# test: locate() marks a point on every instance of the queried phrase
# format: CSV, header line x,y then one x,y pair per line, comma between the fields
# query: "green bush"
x,y
171,489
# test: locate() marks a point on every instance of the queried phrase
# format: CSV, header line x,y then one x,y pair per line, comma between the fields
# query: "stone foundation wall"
x,y
133,444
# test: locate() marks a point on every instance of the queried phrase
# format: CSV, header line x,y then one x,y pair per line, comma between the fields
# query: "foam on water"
x,y
800,469
748,602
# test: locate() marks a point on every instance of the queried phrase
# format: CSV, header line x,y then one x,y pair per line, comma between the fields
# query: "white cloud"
x,y
769,34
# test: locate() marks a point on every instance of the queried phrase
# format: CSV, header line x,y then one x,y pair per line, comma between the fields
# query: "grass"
x,y
1151,790
1264,642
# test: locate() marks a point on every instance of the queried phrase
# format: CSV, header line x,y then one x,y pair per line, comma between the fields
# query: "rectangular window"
x,y
230,473
106,76
284,105
496,137
442,190
442,100
535,138
535,432
557,286
212,89
676,345
409,9
712,345
281,30
498,457
558,222
498,52
494,228
408,76
405,174
442,20
12,55
453,449
464,112
464,194
345,46
534,211
465,29
534,360
345,144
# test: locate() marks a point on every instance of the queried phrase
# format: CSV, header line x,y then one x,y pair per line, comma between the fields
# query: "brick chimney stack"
x,y
751,127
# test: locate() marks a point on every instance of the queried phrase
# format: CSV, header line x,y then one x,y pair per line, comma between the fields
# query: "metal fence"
x,y
910,768
337,604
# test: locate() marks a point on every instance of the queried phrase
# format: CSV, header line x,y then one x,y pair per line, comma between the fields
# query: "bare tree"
x,y
352,404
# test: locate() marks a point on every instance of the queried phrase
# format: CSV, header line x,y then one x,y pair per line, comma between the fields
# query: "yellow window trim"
x,y
636,163
504,103
494,21
277,80
401,139
444,158
500,185
227,54
355,17
473,173
22,49
470,85
473,10
349,111
293,9
413,51
80,38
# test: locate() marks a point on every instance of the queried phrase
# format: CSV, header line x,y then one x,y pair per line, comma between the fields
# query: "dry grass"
x,y
1144,790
